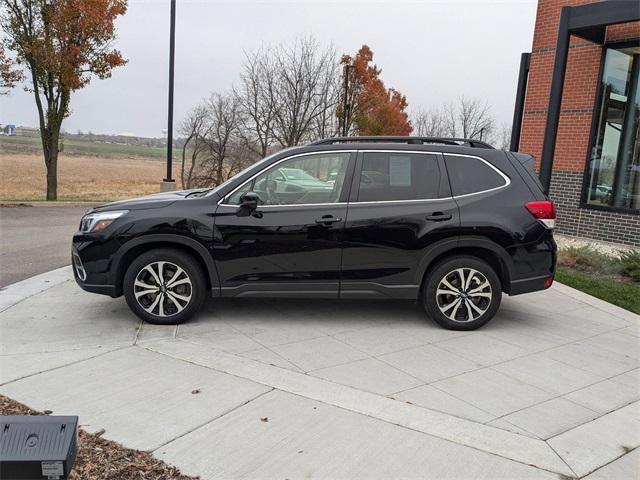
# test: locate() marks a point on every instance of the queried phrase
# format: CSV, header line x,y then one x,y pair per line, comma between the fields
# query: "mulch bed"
x,y
100,459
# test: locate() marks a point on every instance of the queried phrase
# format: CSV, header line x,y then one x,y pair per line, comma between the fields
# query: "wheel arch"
x,y
479,247
138,246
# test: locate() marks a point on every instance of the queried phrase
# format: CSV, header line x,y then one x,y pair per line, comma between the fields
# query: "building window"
x,y
614,165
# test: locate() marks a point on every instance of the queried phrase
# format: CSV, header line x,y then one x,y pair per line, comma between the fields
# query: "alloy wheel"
x,y
162,289
463,295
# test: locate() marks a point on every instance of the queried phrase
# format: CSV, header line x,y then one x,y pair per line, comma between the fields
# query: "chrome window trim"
x,y
505,177
272,166
260,207
418,200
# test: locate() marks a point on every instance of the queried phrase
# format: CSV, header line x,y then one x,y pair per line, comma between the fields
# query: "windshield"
x,y
257,164
297,174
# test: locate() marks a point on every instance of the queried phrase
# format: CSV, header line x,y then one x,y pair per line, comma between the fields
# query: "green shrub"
x,y
630,263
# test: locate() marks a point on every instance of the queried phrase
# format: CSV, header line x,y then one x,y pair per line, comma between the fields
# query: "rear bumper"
x,y
527,285
544,255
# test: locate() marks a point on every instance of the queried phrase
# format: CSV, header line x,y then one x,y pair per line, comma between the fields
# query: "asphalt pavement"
x,y
35,240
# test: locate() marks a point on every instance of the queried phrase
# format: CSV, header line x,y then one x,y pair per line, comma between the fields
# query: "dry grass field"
x,y
80,178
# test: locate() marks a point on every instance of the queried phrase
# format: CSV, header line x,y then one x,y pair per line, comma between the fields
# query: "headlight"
x,y
96,222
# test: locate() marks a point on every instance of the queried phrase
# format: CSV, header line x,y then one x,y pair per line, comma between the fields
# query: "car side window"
x,y
471,175
387,176
304,179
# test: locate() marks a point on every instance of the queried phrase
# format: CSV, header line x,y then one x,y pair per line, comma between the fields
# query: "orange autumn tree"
x,y
62,44
9,75
373,109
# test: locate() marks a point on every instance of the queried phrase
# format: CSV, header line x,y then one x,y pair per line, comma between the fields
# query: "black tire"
x,y
484,302
166,310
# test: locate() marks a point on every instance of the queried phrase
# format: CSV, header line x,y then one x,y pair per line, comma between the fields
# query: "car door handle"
x,y
327,220
439,217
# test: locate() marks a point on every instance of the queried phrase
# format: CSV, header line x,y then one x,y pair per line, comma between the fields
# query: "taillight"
x,y
543,211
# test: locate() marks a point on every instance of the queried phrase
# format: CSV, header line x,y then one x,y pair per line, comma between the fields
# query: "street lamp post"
x,y
169,183
345,105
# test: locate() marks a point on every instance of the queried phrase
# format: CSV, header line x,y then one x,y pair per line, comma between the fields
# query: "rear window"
x,y
389,176
471,175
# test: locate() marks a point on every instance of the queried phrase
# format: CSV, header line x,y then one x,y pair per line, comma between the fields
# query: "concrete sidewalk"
x,y
324,389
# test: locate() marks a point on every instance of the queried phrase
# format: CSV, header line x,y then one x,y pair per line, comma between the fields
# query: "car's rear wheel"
x,y
164,286
462,293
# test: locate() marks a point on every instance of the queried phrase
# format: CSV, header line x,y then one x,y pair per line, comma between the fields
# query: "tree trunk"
x,y
52,177
50,149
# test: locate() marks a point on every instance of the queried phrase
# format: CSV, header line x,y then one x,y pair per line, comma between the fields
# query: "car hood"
x,y
157,200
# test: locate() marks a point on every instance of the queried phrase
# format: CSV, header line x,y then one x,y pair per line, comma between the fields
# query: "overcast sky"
x,y
433,52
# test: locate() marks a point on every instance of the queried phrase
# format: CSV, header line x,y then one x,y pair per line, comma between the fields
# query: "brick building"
x,y
585,136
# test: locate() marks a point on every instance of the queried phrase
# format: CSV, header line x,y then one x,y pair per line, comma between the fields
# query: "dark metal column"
x,y
518,111
172,48
345,105
555,100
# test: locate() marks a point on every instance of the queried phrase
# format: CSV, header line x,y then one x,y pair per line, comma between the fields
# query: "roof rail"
x,y
460,142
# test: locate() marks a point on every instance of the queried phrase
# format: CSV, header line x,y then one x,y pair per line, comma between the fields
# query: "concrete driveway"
x,y
325,389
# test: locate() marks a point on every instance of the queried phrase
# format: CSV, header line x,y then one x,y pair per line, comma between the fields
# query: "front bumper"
x,y
87,279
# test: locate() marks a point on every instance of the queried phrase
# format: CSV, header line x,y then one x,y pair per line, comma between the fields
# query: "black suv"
x,y
450,222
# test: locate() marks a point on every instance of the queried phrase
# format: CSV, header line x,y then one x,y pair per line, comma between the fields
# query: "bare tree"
x,y
469,118
224,115
502,138
429,123
256,99
304,79
327,123
288,94
213,142
193,129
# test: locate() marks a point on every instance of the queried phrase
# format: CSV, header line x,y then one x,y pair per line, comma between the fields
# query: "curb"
x,y
19,291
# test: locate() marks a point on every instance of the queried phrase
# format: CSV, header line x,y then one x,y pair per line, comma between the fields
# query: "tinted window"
x,y
470,175
398,176
300,180
613,173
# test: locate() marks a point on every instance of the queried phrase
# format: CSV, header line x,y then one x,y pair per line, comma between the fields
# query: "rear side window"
x,y
471,175
389,176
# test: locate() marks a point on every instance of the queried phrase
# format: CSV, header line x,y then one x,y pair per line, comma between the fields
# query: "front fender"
x,y
166,240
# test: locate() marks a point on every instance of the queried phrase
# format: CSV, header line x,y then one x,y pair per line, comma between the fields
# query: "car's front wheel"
x,y
462,293
164,286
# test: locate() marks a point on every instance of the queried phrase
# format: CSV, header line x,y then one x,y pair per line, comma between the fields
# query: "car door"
x,y
400,206
291,245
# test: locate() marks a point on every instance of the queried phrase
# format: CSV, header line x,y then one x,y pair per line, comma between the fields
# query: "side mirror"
x,y
248,204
